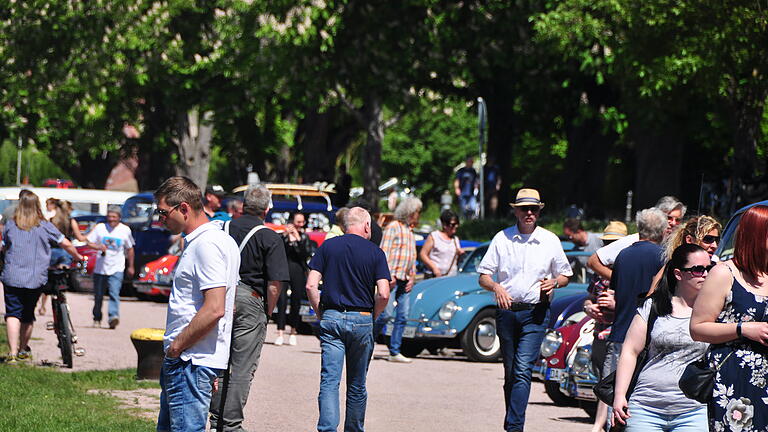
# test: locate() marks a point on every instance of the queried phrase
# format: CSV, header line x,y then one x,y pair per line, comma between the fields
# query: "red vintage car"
x,y
155,279
558,350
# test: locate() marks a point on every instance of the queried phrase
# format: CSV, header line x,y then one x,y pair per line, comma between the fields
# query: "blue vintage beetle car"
x,y
455,312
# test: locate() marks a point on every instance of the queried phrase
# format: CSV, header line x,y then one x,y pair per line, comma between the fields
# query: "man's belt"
x,y
346,308
522,306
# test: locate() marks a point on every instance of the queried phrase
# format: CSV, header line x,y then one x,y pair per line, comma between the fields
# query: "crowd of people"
x,y
661,300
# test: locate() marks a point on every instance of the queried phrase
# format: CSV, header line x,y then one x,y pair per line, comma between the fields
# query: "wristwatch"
x,y
557,284
738,330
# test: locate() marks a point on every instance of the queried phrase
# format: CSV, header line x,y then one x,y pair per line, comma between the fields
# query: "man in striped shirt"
x,y
399,246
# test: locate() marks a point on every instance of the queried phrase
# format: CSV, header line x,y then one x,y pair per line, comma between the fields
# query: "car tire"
x,y
552,388
411,349
479,340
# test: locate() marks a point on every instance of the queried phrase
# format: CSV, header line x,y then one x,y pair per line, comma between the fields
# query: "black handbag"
x,y
698,379
604,389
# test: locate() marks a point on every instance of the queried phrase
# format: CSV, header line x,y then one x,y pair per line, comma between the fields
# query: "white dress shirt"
x,y
519,262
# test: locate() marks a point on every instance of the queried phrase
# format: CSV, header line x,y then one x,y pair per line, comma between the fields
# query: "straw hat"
x,y
614,231
527,197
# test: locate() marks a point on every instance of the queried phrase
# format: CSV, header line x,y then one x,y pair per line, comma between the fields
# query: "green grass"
x,y
41,399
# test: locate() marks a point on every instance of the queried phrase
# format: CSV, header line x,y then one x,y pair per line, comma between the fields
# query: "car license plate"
x,y
409,332
557,375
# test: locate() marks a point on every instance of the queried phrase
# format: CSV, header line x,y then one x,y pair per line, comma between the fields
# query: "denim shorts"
x,y
20,303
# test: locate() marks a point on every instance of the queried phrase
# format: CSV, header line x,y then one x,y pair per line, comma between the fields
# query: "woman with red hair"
x,y
730,313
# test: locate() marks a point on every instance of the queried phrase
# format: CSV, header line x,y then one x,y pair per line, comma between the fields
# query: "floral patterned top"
x,y
740,396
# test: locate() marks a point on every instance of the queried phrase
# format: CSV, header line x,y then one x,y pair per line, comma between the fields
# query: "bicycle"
x,y
59,280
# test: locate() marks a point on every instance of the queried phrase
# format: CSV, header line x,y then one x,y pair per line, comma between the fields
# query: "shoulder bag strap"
x,y
249,235
455,254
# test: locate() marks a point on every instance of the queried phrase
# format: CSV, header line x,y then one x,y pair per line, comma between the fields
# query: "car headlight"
x,y
164,276
582,360
552,341
448,310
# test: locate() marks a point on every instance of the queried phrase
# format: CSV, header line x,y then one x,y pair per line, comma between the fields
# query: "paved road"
x,y
438,393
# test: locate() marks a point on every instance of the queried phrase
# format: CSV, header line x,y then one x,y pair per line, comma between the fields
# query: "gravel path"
x,y
436,393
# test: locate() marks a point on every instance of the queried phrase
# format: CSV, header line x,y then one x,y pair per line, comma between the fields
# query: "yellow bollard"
x,y
149,347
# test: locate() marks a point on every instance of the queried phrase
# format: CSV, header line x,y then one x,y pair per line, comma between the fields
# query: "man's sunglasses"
x,y
532,209
709,239
453,224
164,213
699,270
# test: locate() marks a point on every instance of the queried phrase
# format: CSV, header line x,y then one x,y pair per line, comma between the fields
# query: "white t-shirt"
x,y
608,254
520,261
118,240
210,259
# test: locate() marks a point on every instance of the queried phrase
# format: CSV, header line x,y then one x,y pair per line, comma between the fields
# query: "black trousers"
x,y
297,284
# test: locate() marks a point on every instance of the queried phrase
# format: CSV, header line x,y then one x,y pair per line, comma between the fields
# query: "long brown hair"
x,y
28,214
61,220
750,253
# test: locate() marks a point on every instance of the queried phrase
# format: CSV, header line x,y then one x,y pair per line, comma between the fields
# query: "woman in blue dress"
x,y
730,313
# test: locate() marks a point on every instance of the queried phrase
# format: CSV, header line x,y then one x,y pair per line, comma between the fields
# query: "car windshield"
x,y
473,260
137,211
725,251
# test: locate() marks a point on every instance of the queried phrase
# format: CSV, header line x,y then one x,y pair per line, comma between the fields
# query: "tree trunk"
x,y
193,140
748,114
502,138
329,134
658,156
374,136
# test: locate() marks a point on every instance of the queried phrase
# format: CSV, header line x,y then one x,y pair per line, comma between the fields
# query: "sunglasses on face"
x,y
699,270
164,213
709,239
532,209
674,219
453,224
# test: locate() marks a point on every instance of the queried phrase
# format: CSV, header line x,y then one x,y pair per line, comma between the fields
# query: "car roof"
x,y
747,207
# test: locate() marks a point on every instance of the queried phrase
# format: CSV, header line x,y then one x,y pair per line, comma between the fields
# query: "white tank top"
x,y
443,253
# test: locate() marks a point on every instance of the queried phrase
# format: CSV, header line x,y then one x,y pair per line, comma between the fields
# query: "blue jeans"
x,y
520,334
185,395
468,206
344,335
103,283
645,420
401,316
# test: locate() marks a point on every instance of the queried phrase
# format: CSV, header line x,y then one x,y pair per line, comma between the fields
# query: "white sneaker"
x,y
399,358
292,340
279,340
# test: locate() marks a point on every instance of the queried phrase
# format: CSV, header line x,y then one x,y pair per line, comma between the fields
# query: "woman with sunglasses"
x,y
441,250
731,314
656,403
701,230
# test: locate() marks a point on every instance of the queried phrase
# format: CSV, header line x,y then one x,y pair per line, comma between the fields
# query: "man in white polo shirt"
x,y
529,264
199,323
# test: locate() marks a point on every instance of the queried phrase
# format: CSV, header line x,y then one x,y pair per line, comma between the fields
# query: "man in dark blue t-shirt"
x,y
350,266
633,272
464,185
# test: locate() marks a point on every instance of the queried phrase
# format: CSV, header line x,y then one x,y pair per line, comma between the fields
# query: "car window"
x,y
725,250
137,211
471,263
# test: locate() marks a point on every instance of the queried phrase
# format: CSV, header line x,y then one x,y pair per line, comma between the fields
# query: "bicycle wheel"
x,y
65,336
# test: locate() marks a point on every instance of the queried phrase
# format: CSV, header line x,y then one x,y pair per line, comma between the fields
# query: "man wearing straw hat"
x,y
529,264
